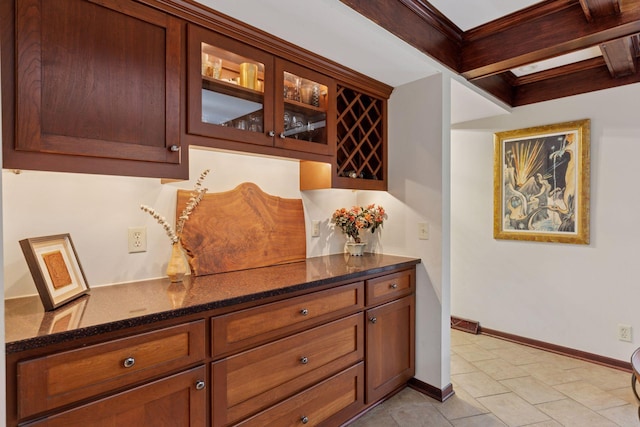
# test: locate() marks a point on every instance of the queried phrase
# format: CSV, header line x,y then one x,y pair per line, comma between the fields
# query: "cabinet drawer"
x,y
58,379
390,287
253,380
246,328
329,403
183,403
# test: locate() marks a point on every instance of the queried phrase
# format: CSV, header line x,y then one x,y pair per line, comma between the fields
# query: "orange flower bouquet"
x,y
351,221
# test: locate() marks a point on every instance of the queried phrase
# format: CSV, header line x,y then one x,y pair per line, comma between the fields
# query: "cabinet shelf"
x,y
301,107
231,89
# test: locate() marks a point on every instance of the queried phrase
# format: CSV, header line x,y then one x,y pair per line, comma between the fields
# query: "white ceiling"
x,y
467,14
335,31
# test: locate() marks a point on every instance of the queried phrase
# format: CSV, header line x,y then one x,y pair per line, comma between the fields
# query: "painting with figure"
x,y
541,183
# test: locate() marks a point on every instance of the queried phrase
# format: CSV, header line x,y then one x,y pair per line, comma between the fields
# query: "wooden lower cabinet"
x,y
317,358
390,347
177,401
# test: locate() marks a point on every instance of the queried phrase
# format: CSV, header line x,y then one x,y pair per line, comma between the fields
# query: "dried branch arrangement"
x,y
196,196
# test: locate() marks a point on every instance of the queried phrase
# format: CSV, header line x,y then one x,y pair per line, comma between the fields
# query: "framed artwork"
x,y
541,183
55,269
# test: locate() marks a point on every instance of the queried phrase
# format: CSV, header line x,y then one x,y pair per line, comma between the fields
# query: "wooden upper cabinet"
x,y
98,80
238,93
360,160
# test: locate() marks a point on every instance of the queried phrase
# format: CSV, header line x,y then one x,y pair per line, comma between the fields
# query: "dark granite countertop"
x,y
110,308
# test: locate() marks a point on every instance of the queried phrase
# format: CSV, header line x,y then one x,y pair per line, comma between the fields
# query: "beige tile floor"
x,y
499,383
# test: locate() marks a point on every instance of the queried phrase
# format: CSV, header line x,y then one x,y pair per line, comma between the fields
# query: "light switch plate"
x,y
423,231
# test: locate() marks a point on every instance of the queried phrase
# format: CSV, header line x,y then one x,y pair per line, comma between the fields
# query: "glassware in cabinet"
x,y
306,109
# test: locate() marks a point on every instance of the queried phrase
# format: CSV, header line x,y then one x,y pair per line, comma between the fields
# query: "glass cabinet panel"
x,y
232,89
305,109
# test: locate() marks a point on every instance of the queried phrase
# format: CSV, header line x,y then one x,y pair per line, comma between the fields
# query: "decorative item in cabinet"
x,y
361,152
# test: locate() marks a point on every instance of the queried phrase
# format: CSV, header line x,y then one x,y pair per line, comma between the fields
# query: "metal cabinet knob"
x,y
271,133
304,311
282,135
304,419
129,362
174,148
373,320
304,360
393,286
200,385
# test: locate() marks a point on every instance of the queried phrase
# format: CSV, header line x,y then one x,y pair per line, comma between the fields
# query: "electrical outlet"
x,y
137,239
624,333
423,231
315,228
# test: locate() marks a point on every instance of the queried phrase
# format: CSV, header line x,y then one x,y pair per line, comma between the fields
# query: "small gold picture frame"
x,y
541,183
55,269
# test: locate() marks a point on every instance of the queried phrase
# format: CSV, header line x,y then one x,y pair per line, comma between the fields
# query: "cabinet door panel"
x,y
223,105
305,121
99,80
390,347
175,401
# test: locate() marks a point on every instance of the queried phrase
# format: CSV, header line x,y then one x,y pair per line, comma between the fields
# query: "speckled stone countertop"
x,y
109,308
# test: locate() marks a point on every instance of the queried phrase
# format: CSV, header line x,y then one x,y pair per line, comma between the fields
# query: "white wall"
x,y
418,192
570,295
97,210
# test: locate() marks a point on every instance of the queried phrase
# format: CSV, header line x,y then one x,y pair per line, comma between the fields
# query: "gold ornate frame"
x,y
541,183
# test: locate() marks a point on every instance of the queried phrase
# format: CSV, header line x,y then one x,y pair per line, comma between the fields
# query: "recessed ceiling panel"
x,y
558,61
468,14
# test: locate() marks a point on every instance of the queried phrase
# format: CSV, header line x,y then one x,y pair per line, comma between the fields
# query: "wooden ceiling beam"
x,y
536,34
417,23
620,56
584,81
597,8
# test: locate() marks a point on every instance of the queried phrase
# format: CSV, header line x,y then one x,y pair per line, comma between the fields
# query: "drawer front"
x,y
52,381
184,403
391,286
329,403
246,328
256,379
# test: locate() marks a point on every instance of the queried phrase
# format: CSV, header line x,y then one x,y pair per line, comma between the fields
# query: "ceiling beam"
x,y
584,81
597,8
620,56
417,23
536,34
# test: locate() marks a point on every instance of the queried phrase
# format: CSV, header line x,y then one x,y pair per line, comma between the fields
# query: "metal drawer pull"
x,y
129,362
304,311
393,286
271,133
373,320
200,385
174,148
304,360
304,419
282,135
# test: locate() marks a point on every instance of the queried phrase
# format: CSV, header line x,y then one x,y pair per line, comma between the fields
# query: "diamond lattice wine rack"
x,y
360,160
360,150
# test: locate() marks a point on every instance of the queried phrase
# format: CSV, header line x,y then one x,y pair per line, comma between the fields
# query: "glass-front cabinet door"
x,y
305,109
239,93
230,89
